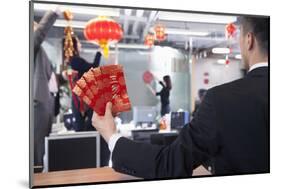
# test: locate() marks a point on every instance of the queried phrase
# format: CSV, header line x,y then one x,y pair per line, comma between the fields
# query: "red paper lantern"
x,y
103,31
149,40
230,30
160,32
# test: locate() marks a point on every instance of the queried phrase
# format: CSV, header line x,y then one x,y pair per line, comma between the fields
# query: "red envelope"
x,y
115,87
99,101
85,88
101,85
79,92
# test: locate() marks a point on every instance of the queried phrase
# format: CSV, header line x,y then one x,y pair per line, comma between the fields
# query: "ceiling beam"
x,y
139,14
126,13
151,19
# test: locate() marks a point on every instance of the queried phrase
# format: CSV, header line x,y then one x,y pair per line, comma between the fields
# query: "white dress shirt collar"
x,y
258,65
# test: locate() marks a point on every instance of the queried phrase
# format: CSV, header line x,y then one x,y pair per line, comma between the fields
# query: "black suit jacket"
x,y
231,127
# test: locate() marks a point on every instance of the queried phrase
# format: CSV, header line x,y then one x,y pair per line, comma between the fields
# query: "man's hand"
x,y
105,124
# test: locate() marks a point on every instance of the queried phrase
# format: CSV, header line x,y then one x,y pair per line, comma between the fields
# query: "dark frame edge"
x,y
31,18
31,125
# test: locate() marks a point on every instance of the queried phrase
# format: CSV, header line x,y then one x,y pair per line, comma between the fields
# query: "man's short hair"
x,y
259,26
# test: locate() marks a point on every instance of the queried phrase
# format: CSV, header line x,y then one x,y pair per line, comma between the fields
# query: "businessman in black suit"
x,y
231,126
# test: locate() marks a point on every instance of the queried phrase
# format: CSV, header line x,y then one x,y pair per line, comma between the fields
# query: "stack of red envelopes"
x,y
101,85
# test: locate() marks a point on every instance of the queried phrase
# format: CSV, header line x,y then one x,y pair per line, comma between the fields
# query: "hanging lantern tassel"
x,y
227,62
105,47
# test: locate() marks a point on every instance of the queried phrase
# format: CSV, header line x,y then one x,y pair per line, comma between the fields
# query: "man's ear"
x,y
250,41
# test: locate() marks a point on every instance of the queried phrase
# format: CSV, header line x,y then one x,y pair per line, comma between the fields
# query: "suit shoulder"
x,y
228,86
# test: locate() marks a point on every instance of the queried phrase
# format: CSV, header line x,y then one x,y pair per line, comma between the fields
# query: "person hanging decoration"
x,y
103,31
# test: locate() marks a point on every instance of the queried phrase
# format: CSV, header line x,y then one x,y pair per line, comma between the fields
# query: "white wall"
x,y
218,74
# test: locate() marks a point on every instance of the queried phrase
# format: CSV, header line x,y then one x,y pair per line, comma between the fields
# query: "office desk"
x,y
105,174
79,176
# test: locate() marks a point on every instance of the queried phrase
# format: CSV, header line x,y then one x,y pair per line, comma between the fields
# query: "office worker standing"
x,y
43,101
164,94
231,125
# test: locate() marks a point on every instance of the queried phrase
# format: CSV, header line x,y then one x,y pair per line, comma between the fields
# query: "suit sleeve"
x,y
43,27
79,64
96,62
196,143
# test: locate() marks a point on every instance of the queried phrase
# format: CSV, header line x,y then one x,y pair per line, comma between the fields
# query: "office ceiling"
x,y
137,23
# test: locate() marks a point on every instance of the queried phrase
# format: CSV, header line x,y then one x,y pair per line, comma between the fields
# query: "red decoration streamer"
x,y
230,30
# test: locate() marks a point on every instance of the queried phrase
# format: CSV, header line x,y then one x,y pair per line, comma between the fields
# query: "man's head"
x,y
254,39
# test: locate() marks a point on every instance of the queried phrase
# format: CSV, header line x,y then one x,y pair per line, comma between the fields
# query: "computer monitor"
x,y
144,114
179,119
72,151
